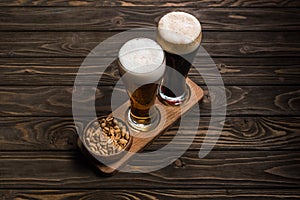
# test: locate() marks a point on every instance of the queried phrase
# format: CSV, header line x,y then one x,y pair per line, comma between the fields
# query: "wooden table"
x,y
255,44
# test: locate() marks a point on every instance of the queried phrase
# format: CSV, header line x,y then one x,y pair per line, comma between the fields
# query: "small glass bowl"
x,y
90,147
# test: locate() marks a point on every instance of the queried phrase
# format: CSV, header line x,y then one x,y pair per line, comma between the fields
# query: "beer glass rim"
x,y
156,68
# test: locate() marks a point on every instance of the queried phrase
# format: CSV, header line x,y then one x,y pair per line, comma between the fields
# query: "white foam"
x,y
179,32
142,58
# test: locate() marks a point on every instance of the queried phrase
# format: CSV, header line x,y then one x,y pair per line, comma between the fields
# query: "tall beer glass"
x,y
141,66
179,34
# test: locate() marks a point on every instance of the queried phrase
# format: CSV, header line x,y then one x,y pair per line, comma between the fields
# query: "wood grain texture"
x,y
57,100
255,45
124,18
213,194
227,169
239,133
234,71
80,44
154,3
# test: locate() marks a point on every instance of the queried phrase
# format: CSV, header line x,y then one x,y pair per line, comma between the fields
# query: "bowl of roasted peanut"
x,y
107,138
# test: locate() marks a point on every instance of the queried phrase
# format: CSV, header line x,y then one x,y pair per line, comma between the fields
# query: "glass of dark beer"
x,y
142,65
179,34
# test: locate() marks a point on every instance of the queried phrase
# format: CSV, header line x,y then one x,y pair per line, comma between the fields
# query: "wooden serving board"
x,y
169,115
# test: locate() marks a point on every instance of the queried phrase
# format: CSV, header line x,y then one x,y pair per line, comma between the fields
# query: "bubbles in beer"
x,y
141,55
179,32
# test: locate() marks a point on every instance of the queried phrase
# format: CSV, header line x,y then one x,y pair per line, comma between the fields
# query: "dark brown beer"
x,y
179,34
174,83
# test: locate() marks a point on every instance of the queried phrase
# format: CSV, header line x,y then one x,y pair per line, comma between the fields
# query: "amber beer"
x,y
179,34
141,66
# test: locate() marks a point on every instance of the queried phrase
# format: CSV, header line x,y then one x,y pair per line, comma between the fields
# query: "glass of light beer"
x,y
179,34
142,65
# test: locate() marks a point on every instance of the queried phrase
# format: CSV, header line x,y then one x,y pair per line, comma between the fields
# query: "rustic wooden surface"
x,y
256,46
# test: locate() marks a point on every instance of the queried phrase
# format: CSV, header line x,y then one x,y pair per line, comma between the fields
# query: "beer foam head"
x,y
142,58
179,32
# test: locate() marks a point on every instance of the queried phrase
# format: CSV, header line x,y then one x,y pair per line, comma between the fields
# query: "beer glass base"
x,y
173,101
154,121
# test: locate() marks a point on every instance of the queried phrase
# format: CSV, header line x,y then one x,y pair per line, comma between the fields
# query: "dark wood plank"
x,y
259,194
80,44
76,61
48,100
41,133
239,133
220,169
123,18
154,3
252,71
57,100
234,71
